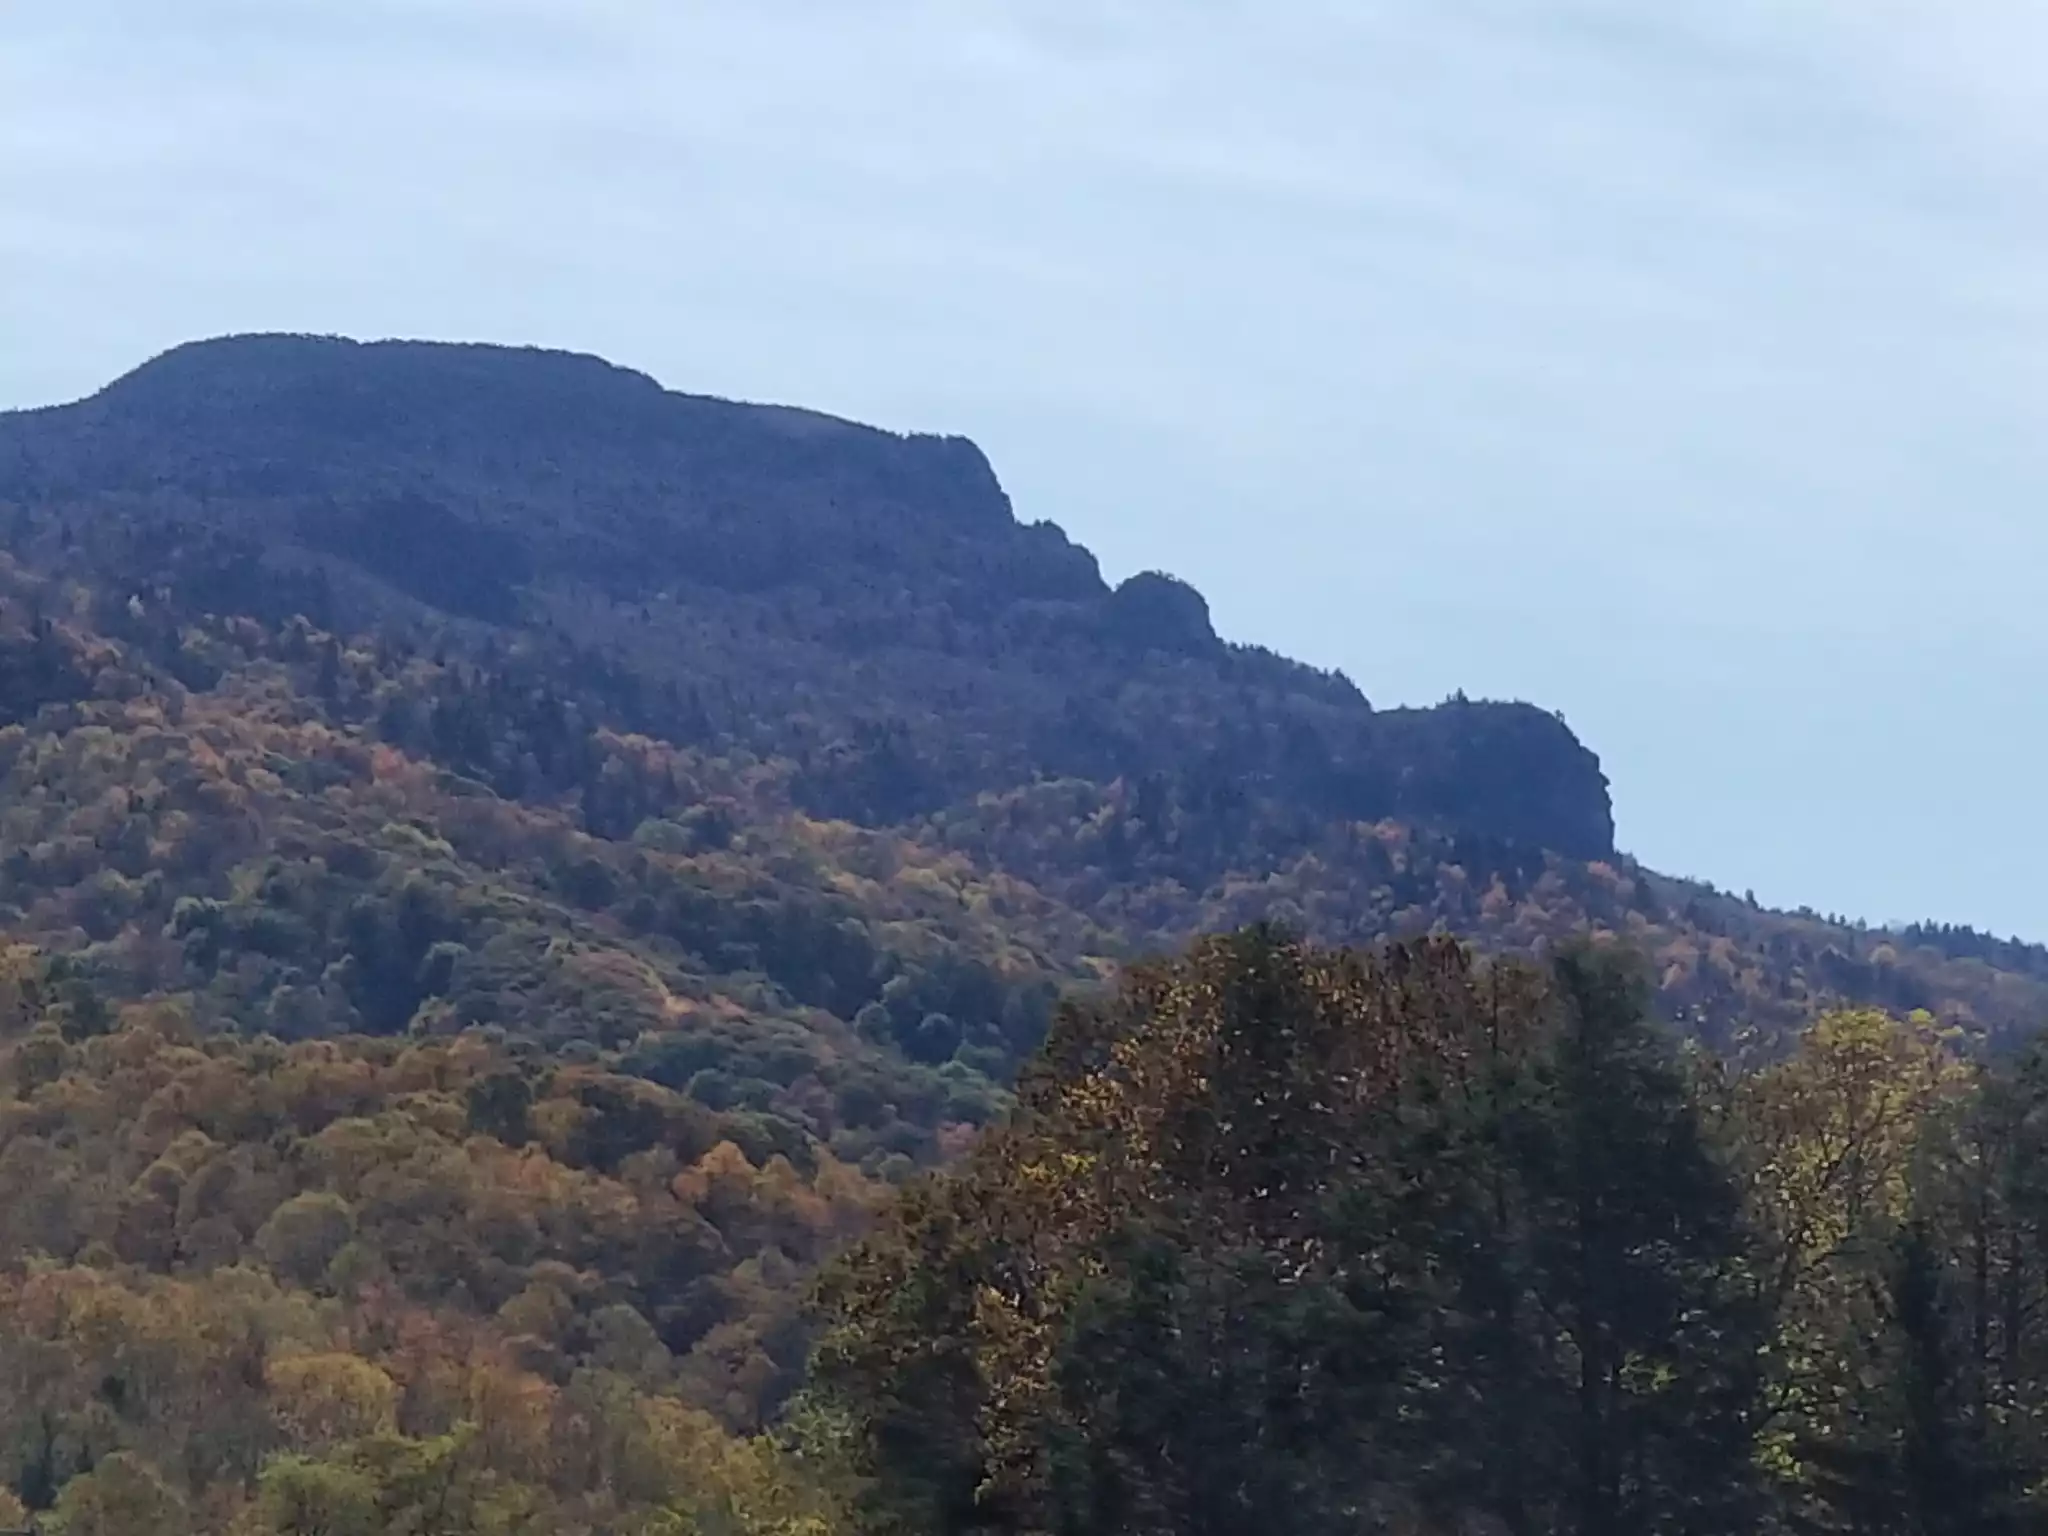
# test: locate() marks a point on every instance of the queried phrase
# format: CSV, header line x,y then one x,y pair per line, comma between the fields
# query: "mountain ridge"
x,y
914,659
352,460
600,943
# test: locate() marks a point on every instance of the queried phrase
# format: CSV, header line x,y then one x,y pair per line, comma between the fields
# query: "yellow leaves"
x,y
1833,1126
1015,1354
1059,1168
554,1124
355,1164
738,1487
172,1351
1830,1135
324,1398
21,967
298,1494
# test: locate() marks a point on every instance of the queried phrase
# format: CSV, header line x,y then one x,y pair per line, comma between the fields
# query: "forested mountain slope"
x,y
503,867
721,764
667,622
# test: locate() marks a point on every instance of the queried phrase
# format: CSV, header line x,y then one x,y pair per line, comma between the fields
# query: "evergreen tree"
x,y
1287,1240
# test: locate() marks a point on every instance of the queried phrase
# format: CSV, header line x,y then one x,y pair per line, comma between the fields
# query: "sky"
x,y
1678,366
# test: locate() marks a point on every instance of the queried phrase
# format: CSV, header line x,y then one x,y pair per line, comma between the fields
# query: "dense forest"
x,y
1276,1238
574,958
1292,1239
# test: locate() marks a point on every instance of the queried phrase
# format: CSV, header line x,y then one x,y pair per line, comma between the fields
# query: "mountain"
x,y
473,742
544,551
801,583
505,869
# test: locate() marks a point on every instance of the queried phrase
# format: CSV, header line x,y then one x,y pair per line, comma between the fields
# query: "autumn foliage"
x,y
508,877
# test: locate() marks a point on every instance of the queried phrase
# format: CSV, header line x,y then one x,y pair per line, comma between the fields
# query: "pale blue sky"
x,y
1675,363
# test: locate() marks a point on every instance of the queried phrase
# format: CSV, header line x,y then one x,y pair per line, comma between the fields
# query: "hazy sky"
x,y
1678,364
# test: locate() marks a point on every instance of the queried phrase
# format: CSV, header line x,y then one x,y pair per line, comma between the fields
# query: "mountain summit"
x,y
801,582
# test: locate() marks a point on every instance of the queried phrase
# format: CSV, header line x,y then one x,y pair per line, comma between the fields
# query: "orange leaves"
x,y
392,769
332,1169
758,1206
718,1173
514,1413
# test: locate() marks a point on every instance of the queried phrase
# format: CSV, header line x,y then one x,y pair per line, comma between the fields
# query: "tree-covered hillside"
x,y
504,869
685,628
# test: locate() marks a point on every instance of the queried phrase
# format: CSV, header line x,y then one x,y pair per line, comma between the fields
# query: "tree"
x,y
1284,1239
301,1496
1829,1138
1639,1257
304,1234
1912,1462
325,1398
122,1496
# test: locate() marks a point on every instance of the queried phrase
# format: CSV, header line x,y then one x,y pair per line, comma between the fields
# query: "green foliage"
x,y
1283,1230
1286,1239
305,1235
121,1496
